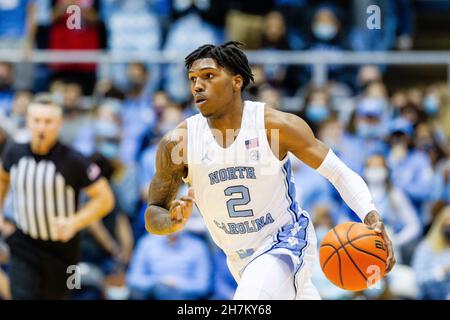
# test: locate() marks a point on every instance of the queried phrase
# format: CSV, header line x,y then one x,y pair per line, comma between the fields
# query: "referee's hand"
x,y
64,229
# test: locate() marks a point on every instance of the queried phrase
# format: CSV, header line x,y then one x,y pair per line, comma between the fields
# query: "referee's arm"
x,y
101,202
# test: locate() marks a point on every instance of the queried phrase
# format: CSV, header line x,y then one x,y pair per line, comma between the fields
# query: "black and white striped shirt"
x,y
44,187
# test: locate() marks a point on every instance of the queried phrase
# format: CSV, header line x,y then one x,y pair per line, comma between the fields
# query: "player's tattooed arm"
x,y
164,214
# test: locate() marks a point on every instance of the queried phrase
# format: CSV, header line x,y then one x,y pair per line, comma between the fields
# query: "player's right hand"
x,y
180,210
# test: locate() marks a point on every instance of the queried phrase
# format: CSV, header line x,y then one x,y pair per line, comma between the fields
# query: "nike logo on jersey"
x,y
231,173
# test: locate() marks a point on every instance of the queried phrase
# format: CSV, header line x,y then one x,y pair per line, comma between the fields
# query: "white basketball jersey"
x,y
244,192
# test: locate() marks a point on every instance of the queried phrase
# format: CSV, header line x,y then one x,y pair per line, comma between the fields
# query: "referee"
x,y
45,178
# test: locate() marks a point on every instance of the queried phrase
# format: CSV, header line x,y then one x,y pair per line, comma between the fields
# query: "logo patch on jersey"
x,y
254,155
206,158
251,143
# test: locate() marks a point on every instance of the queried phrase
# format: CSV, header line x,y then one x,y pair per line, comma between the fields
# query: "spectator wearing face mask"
x,y
137,114
435,107
411,169
370,118
317,108
77,119
431,261
124,178
413,113
326,34
394,206
430,142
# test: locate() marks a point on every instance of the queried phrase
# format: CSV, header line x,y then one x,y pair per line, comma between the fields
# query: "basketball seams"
x,y
349,256
350,242
346,244
359,249
331,255
340,270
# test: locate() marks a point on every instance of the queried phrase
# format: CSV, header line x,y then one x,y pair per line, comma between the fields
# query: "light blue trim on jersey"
x,y
290,188
292,237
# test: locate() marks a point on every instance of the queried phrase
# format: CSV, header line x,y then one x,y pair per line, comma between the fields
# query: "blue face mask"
x,y
431,105
317,113
367,131
324,31
109,150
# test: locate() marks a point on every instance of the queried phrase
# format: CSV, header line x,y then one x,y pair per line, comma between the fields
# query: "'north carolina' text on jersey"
x,y
244,192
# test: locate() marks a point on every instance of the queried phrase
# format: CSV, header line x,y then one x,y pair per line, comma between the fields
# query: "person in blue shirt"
x,y
17,32
137,114
6,88
394,206
177,266
370,122
411,168
431,261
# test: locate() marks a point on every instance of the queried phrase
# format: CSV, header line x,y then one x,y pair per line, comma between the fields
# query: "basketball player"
x,y
235,155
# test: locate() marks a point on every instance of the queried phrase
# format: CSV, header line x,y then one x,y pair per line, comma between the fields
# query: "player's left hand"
x,y
65,229
374,220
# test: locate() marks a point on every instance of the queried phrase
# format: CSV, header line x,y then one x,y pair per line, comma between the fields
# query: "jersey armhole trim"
x,y
262,120
188,178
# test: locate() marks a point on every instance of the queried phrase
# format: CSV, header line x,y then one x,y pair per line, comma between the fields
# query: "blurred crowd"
x,y
397,140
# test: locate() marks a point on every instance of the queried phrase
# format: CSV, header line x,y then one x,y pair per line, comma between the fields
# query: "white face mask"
x,y
325,31
375,175
398,152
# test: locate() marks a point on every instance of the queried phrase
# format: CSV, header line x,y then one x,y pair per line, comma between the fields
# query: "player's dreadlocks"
x,y
227,55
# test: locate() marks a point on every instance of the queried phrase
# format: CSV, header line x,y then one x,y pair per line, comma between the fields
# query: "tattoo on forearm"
x,y
164,186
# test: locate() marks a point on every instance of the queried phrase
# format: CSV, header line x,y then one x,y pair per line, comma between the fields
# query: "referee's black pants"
x,y
38,269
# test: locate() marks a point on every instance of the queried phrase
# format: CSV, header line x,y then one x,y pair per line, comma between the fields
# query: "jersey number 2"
x,y
242,200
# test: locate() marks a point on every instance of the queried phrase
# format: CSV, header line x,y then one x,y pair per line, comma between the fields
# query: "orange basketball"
x,y
353,256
